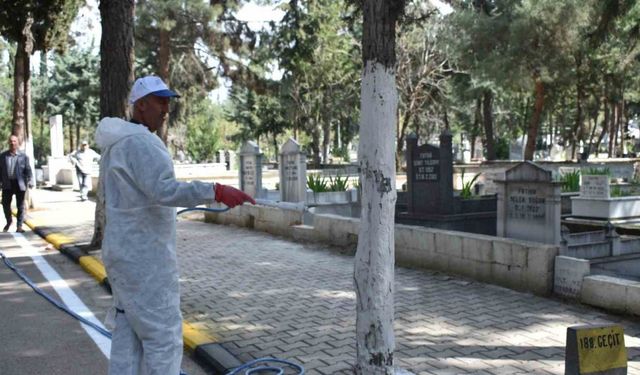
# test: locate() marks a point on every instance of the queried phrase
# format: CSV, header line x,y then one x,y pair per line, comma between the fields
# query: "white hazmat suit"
x,y
138,249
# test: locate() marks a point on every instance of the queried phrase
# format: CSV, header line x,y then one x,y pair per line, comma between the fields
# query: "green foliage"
x,y
338,183
571,181
467,187
51,21
502,148
321,63
617,191
73,90
203,136
317,183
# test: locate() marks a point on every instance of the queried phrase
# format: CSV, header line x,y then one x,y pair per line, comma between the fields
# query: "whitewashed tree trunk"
x,y
374,263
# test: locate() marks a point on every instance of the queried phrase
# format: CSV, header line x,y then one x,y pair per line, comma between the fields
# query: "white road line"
x,y
67,295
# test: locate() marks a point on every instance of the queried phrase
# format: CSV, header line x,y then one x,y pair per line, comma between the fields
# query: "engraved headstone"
x,y
293,173
595,186
595,349
430,176
251,169
529,205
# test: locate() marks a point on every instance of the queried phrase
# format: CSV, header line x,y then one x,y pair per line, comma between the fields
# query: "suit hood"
x,y
112,129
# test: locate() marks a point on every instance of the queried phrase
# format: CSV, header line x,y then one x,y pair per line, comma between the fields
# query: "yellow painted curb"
x,y
194,337
58,239
94,267
33,223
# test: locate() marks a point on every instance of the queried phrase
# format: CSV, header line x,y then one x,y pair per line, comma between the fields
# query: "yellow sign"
x,y
601,349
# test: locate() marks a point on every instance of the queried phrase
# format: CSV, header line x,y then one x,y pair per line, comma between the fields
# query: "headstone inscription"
x,y
595,186
595,349
293,173
251,169
430,176
529,205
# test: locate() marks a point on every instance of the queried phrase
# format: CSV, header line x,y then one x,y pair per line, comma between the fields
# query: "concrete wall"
x,y
515,264
611,293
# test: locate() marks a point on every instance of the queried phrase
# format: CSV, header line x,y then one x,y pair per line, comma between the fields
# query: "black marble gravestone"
x,y
430,176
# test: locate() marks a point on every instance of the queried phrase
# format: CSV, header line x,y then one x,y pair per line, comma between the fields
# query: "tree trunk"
x,y
401,134
21,121
594,117
315,145
326,141
116,78
579,98
164,55
116,64
78,136
605,126
275,146
532,132
19,105
611,125
374,261
487,120
71,143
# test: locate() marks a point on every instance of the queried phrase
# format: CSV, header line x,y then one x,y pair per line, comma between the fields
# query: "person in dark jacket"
x,y
15,178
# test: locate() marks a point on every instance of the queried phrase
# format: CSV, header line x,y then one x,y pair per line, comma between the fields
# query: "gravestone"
x,y
478,150
430,176
595,186
529,204
57,161
557,153
597,349
231,159
57,137
516,148
251,169
293,173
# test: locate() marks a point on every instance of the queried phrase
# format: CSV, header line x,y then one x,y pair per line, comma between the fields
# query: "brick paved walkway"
x,y
268,296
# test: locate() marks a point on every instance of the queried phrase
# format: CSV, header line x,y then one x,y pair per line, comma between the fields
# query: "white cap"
x,y
150,85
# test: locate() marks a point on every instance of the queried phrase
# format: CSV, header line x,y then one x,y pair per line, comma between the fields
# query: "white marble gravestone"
x,y
57,161
529,205
594,186
293,173
251,169
516,148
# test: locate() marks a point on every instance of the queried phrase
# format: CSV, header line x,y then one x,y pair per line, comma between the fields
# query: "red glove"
x,y
231,196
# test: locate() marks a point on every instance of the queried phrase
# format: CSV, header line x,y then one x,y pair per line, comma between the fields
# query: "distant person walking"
x,y
15,178
83,159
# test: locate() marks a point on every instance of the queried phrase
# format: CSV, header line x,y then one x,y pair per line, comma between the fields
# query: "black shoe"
x,y
6,227
19,230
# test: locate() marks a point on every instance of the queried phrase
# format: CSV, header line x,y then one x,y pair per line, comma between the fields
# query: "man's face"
x,y
84,146
14,143
154,110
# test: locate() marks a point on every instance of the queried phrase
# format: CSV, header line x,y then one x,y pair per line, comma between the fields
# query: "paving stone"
x,y
265,295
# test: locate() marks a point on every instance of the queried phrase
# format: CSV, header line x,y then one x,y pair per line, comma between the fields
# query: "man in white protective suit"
x,y
138,250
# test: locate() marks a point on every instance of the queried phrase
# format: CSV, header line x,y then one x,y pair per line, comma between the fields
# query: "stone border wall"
x,y
520,265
